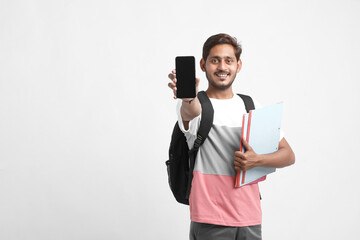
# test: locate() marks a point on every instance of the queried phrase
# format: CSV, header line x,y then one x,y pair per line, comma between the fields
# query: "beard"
x,y
220,86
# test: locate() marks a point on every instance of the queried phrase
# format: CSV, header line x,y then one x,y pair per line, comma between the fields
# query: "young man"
x,y
217,209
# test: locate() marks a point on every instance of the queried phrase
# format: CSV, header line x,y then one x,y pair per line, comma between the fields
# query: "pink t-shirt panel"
x,y
214,200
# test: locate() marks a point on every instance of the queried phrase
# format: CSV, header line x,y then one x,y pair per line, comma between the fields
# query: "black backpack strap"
x,y
207,117
249,103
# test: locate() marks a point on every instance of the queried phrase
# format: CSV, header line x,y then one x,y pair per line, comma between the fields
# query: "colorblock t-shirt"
x,y
213,198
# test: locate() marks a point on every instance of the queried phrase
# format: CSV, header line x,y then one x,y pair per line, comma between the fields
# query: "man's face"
x,y
221,66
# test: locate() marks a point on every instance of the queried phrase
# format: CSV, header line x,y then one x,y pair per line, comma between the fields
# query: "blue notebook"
x,y
261,129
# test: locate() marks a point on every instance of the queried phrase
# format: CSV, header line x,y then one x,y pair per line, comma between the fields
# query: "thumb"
x,y
197,81
246,145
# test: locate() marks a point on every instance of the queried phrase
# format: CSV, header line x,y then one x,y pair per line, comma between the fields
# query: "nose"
x,y
221,65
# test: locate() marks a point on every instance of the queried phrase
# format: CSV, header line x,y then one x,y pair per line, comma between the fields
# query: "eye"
x,y
229,61
214,60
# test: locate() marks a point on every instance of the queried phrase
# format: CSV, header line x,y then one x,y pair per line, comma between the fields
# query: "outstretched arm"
x,y
190,107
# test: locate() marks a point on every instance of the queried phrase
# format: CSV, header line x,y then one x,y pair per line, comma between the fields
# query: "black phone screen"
x,y
185,75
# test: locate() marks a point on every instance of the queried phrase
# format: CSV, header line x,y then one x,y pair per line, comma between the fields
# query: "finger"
x,y
171,76
236,163
171,85
240,163
238,159
239,166
174,90
174,71
239,154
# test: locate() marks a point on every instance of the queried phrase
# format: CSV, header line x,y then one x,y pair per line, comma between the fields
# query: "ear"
x,y
239,63
202,64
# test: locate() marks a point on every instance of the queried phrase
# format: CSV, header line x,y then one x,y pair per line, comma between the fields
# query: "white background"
x,y
86,115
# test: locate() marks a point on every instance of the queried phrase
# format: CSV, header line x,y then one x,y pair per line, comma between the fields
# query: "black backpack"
x,y
181,161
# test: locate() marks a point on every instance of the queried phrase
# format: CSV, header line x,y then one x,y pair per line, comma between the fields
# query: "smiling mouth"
x,y
222,74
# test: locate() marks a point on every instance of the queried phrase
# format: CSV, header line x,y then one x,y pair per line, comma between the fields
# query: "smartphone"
x,y
185,75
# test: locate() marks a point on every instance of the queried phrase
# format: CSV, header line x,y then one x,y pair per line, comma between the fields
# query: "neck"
x,y
219,93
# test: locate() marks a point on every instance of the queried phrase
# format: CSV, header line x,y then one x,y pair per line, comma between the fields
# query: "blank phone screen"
x,y
185,75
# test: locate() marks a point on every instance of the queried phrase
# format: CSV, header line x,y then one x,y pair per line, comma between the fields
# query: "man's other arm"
x,y
279,159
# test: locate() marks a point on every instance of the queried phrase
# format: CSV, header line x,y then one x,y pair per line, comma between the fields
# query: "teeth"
x,y
221,74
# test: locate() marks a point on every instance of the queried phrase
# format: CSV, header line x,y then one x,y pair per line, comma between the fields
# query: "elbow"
x,y
288,153
291,158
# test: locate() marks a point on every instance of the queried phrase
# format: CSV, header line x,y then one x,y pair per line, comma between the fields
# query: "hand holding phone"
x,y
185,75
